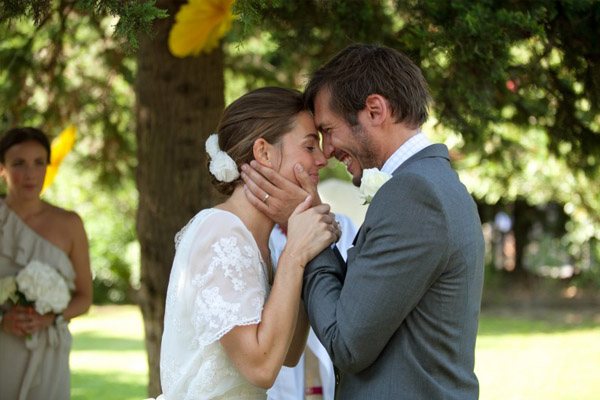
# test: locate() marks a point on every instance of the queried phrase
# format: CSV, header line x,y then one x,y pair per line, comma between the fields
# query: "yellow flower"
x,y
199,25
61,146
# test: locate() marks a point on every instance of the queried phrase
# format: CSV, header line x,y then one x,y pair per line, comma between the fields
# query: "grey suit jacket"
x,y
399,320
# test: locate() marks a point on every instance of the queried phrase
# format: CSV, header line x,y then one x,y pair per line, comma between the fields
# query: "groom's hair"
x,y
360,70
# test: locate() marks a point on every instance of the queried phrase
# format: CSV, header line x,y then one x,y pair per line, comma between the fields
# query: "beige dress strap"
x,y
38,367
19,244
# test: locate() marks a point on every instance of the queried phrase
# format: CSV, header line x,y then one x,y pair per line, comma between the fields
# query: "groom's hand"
x,y
283,194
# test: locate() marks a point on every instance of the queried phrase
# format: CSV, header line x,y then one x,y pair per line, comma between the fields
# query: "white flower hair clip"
x,y
221,164
372,180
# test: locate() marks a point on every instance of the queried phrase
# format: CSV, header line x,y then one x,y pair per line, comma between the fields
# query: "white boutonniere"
x,y
372,180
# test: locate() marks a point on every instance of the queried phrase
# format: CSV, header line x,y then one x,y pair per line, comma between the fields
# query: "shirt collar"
x,y
408,149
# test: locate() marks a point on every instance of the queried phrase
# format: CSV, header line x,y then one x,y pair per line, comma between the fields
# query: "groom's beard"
x,y
364,152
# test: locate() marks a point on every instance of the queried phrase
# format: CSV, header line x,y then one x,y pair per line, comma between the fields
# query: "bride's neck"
x,y
24,208
258,223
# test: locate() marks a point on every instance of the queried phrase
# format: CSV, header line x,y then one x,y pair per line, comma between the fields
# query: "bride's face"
x,y
300,146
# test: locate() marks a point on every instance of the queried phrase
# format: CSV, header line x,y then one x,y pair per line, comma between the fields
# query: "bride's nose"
x,y
320,159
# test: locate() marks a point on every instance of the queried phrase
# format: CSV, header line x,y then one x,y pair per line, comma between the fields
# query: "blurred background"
x,y
516,89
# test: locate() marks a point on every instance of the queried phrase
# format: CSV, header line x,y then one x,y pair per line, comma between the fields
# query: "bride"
x,y
229,325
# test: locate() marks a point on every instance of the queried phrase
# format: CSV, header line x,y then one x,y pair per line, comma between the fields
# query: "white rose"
x,y
223,167
372,180
43,285
221,164
212,145
8,289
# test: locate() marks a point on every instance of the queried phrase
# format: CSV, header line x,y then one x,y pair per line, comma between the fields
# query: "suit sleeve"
x,y
400,251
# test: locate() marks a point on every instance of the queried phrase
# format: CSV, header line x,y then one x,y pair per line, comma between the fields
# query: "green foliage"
x,y
518,82
109,218
70,67
35,9
493,55
298,36
133,16
70,70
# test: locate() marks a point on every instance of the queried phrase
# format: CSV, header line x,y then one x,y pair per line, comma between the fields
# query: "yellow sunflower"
x,y
199,25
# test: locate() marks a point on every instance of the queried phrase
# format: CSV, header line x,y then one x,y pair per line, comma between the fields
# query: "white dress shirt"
x,y
408,149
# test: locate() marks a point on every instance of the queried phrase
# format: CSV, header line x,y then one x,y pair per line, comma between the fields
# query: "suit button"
x,y
337,378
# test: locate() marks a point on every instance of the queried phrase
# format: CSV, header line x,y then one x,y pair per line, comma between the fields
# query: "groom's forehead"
x,y
323,113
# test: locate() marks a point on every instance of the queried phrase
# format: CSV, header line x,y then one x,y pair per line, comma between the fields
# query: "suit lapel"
x,y
356,236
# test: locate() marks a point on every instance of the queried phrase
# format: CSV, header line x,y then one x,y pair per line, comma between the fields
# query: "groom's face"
x,y
351,145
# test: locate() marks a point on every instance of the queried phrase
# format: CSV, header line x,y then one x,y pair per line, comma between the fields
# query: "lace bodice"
x,y
218,281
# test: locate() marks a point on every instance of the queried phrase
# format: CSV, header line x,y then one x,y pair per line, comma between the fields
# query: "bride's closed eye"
x,y
312,145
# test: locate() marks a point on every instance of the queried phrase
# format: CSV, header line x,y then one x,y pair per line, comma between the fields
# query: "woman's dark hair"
x,y
23,134
364,69
266,113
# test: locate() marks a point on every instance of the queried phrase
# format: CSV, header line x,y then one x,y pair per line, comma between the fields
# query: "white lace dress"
x,y
218,281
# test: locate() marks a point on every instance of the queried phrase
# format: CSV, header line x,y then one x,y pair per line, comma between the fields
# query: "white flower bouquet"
x,y
39,285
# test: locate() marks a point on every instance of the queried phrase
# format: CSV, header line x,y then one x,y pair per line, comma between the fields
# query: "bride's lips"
x,y
314,178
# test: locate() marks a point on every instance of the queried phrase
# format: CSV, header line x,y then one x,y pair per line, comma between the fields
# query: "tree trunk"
x,y
179,102
522,220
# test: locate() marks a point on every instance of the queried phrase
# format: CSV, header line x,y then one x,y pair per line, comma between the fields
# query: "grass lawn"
x,y
551,356
108,360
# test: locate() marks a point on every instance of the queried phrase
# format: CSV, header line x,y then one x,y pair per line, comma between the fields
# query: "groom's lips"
x,y
344,158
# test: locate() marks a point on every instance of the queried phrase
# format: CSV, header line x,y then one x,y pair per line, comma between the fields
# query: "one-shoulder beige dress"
x,y
38,369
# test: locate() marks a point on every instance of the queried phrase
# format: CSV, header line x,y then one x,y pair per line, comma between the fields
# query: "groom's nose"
x,y
328,149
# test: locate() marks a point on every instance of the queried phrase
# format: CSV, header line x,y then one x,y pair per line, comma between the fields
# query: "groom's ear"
x,y
262,152
377,109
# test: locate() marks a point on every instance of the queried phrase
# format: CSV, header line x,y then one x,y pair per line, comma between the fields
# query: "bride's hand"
x,y
310,230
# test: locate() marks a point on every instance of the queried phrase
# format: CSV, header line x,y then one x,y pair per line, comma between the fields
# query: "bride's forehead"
x,y
304,126
300,136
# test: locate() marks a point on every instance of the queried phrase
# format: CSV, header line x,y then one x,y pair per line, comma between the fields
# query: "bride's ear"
x,y
263,152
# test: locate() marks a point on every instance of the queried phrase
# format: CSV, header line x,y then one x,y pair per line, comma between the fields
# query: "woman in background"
x,y
34,230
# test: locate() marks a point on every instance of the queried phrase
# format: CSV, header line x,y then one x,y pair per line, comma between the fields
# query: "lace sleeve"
x,y
228,280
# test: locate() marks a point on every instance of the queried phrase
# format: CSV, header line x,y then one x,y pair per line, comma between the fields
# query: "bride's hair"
x,y
266,113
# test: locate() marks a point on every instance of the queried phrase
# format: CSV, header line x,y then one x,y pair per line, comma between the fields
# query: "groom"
x,y
399,318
